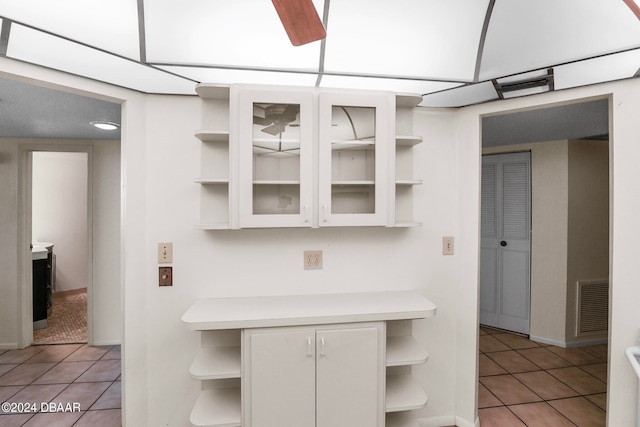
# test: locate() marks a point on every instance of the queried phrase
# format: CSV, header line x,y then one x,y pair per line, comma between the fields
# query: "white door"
x,y
349,377
505,272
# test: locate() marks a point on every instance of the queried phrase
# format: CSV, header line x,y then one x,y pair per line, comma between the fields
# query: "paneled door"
x,y
505,257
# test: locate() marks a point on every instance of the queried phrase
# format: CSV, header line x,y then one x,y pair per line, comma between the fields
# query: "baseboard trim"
x,y
569,344
101,343
447,421
8,346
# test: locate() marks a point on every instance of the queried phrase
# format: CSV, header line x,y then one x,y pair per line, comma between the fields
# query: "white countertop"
x,y
290,310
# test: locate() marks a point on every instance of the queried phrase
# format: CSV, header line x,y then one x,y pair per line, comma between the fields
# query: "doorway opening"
x,y
60,237
560,365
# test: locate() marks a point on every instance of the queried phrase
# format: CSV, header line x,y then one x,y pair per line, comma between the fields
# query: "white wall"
x,y
59,213
161,204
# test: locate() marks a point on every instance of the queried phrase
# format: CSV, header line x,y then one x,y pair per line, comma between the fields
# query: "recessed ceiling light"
x,y
104,125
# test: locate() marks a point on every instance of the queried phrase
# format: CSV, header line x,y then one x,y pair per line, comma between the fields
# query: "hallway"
x,y
525,383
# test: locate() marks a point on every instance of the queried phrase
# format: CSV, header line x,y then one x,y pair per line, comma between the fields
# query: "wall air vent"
x,y
592,307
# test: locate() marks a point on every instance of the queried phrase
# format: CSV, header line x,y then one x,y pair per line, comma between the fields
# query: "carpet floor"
x,y
67,323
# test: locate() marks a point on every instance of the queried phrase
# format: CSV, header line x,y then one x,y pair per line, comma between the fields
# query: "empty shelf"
x,y
404,394
213,363
405,350
217,408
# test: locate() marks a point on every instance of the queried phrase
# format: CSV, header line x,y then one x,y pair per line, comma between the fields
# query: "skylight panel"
x,y
227,76
394,85
606,68
112,26
245,33
536,34
435,39
462,96
49,51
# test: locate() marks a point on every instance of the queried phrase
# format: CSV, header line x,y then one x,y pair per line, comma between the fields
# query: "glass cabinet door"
x,y
275,138
356,146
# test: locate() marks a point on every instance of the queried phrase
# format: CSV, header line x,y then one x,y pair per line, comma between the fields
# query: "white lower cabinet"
x,y
342,360
314,377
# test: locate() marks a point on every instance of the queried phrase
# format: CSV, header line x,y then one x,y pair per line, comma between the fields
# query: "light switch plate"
x,y
165,253
165,276
447,245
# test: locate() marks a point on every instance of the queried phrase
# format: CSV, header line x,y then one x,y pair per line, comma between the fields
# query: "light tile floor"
x,y
524,383
63,378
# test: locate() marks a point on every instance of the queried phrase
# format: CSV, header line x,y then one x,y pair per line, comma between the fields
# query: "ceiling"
x,y
454,52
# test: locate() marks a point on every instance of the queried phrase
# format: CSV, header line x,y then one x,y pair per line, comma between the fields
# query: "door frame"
x,y
25,191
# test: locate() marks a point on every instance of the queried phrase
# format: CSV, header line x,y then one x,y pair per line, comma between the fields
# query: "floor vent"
x,y
593,307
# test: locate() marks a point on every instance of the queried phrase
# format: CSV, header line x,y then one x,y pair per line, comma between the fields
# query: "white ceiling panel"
x,y
459,97
525,35
606,68
245,33
394,85
111,25
226,76
44,49
434,39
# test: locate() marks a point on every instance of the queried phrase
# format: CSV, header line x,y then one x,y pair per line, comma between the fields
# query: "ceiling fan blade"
x,y
633,6
291,112
261,121
300,21
273,130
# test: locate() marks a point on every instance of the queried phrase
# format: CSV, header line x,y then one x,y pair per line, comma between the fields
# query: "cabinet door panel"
x,y
282,380
274,142
349,378
356,154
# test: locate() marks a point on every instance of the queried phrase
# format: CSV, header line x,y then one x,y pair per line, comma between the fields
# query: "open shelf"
x,y
217,408
409,100
404,394
212,135
400,419
213,91
209,180
405,350
408,224
408,140
212,226
213,363
408,182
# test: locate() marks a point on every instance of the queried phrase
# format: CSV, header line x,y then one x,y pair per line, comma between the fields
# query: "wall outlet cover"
x,y
313,260
165,276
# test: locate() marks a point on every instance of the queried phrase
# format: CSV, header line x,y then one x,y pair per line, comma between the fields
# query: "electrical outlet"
x,y
447,245
165,276
313,260
165,253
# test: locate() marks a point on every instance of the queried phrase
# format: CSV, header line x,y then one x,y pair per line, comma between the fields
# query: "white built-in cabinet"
x,y
305,157
328,360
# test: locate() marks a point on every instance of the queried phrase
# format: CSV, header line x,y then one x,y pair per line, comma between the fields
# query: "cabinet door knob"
x,y
309,353
322,347
306,213
324,213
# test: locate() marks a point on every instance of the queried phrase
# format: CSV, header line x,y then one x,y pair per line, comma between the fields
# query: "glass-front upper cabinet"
x,y
274,145
356,158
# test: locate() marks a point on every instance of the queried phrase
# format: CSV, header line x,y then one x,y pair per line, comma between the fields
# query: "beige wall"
x,y
588,231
